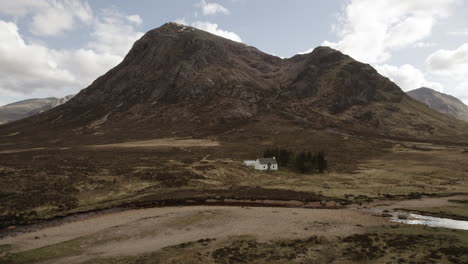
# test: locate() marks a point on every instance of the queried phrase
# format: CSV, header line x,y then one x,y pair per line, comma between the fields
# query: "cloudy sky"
x,y
57,47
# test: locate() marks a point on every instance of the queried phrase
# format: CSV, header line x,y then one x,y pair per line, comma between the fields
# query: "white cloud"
x,y
135,19
112,33
424,44
306,52
461,91
213,29
181,21
28,67
85,65
370,30
210,27
24,66
450,63
407,77
49,17
212,8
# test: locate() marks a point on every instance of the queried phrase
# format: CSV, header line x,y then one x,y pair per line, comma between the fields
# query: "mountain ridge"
x,y
52,104
441,102
21,109
178,80
29,107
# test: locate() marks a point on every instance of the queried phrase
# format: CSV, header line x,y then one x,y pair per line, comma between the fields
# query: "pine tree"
x,y
322,162
305,161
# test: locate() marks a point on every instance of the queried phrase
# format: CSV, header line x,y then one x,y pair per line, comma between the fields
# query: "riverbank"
x,y
220,233
141,231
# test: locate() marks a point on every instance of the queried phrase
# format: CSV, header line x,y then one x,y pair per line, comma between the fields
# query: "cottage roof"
x,y
265,161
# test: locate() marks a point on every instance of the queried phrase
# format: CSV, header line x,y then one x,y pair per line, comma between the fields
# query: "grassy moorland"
x,y
41,184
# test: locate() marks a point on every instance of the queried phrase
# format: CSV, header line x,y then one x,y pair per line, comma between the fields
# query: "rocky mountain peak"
x,y
178,79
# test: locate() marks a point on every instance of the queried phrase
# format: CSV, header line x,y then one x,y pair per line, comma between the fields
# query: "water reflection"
x,y
414,219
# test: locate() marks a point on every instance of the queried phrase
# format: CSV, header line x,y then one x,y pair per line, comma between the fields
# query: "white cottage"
x,y
262,164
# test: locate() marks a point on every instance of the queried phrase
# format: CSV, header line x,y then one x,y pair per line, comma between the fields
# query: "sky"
x,y
58,47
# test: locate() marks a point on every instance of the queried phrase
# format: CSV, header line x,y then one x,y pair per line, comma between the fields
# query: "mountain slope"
x,y
21,109
50,105
441,102
177,80
26,108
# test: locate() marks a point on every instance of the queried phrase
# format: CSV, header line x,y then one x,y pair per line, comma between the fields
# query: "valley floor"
x,y
43,183
38,184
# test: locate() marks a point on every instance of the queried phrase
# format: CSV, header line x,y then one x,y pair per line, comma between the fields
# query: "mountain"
x,y
21,109
26,108
178,80
441,102
50,105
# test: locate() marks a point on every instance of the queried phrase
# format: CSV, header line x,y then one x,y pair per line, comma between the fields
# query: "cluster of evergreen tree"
x,y
304,161
282,156
307,162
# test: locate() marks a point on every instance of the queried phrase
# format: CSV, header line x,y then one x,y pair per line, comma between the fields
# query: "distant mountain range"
x,y
52,104
26,108
441,102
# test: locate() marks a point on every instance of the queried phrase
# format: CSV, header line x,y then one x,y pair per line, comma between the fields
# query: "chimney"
x,y
274,157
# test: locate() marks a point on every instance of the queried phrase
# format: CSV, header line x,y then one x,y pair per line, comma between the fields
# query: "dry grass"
x,y
163,142
59,182
20,150
127,236
404,170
